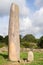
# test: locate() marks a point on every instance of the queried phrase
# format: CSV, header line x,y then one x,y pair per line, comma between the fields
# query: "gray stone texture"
x,y
30,56
14,41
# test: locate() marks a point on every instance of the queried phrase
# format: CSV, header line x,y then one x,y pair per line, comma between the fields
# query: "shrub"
x,y
40,43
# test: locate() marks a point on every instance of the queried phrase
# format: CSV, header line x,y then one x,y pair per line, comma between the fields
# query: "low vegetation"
x,y
38,58
28,41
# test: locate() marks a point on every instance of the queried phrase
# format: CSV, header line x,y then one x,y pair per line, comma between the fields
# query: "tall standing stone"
x,y
14,42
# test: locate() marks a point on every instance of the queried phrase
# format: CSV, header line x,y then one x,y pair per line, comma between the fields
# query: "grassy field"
x,y
38,58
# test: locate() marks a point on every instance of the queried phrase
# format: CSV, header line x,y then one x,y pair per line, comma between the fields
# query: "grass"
x,y
23,55
2,44
38,58
3,58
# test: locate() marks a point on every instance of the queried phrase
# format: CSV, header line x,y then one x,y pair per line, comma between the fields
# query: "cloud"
x,y
4,13
5,7
38,22
25,11
29,24
38,3
25,23
4,21
32,25
38,18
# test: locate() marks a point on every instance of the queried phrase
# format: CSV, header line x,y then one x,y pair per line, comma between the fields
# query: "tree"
x,y
40,43
1,39
6,40
25,44
28,41
20,38
29,38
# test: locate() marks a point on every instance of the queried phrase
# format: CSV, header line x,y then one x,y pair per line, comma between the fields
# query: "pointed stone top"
x,y
13,6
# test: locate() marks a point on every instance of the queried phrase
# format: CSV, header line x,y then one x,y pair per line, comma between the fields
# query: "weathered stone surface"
x,y
30,56
14,41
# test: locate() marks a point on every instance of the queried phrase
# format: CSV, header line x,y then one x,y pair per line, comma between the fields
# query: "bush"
x,y
1,39
29,38
40,43
25,44
33,45
6,40
2,45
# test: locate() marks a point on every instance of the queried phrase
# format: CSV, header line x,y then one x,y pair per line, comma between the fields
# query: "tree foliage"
x,y
29,38
6,40
1,39
40,43
28,41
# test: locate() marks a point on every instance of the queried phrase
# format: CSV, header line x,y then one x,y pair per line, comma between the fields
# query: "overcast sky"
x,y
30,19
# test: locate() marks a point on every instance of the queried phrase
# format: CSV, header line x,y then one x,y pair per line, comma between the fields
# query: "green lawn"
x,y
38,58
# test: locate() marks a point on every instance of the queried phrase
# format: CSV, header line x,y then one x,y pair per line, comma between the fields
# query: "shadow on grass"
x,y
4,56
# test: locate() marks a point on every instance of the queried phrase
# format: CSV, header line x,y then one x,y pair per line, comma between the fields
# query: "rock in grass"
x,y
30,56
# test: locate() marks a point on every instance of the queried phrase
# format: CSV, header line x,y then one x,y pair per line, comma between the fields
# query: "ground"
x,y
38,59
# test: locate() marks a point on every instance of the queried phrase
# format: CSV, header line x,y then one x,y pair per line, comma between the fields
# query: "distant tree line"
x,y
28,41
3,41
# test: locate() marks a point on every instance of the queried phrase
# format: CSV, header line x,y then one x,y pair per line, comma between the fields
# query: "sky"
x,y
30,16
